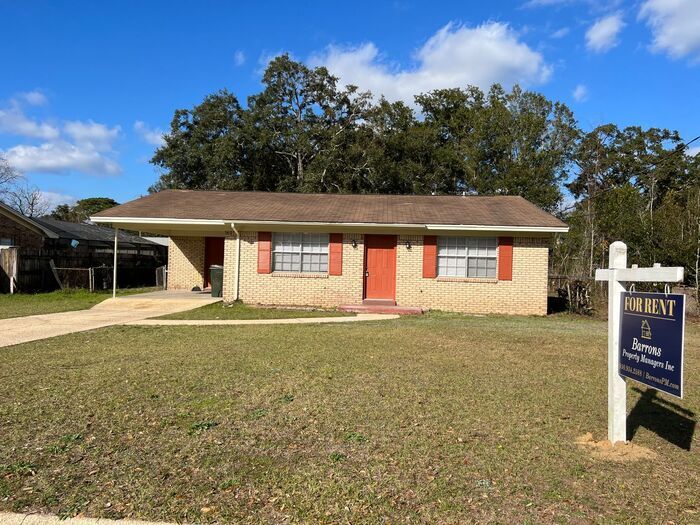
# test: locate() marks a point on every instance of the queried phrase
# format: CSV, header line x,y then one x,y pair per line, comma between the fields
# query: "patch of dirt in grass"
x,y
620,452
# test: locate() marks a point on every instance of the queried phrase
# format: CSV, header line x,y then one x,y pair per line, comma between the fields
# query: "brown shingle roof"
x,y
337,208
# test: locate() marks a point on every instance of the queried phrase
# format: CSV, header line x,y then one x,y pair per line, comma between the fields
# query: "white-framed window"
x,y
300,252
6,241
467,257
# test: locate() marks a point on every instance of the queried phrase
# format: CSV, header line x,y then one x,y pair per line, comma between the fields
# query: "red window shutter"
x,y
505,258
335,254
264,252
429,256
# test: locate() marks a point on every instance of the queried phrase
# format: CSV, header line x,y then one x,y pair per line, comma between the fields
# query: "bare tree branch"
x,y
8,175
28,200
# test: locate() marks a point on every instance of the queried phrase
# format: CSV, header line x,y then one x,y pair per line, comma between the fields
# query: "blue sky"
x,y
86,87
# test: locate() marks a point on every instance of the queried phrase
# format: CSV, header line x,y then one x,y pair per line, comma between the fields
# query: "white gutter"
x,y
446,227
478,227
144,220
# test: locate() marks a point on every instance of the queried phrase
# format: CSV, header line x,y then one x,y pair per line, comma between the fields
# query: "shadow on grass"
x,y
667,420
556,305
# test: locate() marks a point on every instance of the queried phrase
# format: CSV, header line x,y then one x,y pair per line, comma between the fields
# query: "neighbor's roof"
x,y
335,209
89,232
28,222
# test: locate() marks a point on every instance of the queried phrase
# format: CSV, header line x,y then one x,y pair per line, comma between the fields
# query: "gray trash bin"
x,y
216,278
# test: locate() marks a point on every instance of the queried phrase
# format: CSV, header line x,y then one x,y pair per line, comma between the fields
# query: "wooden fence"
x,y
8,270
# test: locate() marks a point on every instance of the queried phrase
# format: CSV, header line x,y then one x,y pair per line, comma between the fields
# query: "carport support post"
x,y
617,388
114,270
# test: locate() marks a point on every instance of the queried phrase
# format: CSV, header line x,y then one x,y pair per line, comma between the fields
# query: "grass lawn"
x,y
433,419
20,305
242,311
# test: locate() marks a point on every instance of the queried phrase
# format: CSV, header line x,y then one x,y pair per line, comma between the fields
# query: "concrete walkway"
x,y
11,518
236,322
121,310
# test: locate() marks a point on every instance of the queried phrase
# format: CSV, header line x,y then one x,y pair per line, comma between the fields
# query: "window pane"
x,y
314,252
281,246
451,266
297,252
310,262
286,242
467,256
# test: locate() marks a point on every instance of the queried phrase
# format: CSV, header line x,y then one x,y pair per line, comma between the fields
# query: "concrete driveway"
x,y
110,312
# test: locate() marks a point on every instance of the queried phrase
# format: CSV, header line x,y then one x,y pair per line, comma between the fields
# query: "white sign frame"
x,y
617,276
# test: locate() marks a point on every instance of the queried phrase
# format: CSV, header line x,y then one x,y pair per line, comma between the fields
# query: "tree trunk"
x,y
300,169
697,266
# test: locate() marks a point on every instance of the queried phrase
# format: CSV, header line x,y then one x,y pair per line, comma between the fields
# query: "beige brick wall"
x,y
292,289
526,294
185,263
229,289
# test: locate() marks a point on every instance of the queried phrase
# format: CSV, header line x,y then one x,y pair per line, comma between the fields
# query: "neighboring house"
x,y
461,253
18,230
37,241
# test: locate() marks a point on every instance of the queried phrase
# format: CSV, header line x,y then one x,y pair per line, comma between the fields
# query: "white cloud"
x,y
597,5
266,57
602,35
91,134
34,98
560,33
239,58
675,26
153,136
61,157
694,151
455,56
14,122
53,199
580,93
80,146
547,3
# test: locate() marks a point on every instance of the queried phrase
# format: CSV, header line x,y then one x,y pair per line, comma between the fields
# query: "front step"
x,y
378,302
382,309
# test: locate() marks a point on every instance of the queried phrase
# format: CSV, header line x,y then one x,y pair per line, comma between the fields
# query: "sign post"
x,y
618,276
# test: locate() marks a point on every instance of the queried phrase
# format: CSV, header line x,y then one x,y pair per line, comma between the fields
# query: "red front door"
x,y
213,254
380,267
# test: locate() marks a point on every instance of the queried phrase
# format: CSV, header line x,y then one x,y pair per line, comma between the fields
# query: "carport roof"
x,y
89,232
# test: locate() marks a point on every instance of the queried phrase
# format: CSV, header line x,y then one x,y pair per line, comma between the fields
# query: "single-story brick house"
x,y
477,254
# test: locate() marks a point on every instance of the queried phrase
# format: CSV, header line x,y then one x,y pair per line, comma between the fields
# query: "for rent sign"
x,y
651,340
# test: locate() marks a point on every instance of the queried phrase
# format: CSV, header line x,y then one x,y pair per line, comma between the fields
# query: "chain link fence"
x,y
100,277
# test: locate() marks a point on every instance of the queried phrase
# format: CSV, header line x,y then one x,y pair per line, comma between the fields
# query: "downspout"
x,y
238,262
